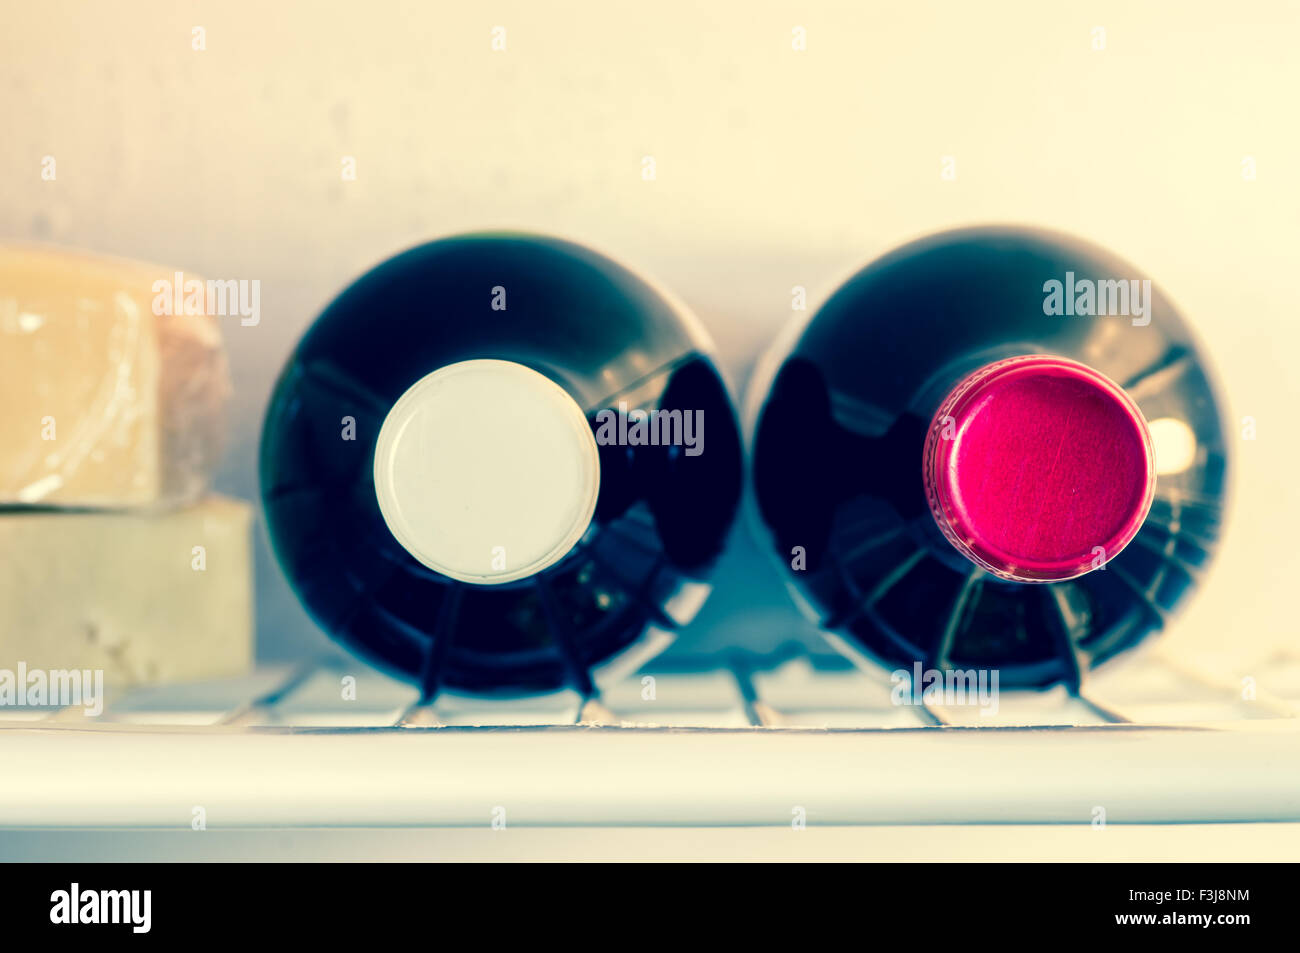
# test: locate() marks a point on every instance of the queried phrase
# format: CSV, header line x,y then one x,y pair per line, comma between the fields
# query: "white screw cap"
x,y
486,471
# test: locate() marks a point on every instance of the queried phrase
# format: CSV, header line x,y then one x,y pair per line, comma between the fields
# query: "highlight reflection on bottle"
x,y
485,467
975,473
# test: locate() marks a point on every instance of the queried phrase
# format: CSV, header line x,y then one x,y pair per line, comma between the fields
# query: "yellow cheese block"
x,y
144,597
105,403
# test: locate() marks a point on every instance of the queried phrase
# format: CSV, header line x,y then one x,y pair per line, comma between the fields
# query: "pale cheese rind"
x,y
105,403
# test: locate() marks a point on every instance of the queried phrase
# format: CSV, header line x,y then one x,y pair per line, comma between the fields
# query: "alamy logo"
x,y
231,298
1101,298
950,687
653,428
56,687
132,907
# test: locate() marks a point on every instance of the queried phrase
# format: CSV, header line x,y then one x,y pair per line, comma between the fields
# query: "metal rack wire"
x,y
788,690
738,741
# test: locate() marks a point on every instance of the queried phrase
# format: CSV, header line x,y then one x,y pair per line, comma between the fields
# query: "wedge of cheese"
x,y
105,403
143,597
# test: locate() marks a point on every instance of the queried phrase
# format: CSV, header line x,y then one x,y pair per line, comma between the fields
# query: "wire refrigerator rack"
x,y
735,741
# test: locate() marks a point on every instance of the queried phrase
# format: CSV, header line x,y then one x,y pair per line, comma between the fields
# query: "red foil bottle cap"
x,y
1039,468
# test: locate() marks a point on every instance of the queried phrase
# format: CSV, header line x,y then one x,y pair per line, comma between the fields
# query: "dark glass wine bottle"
x,y
463,477
993,448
